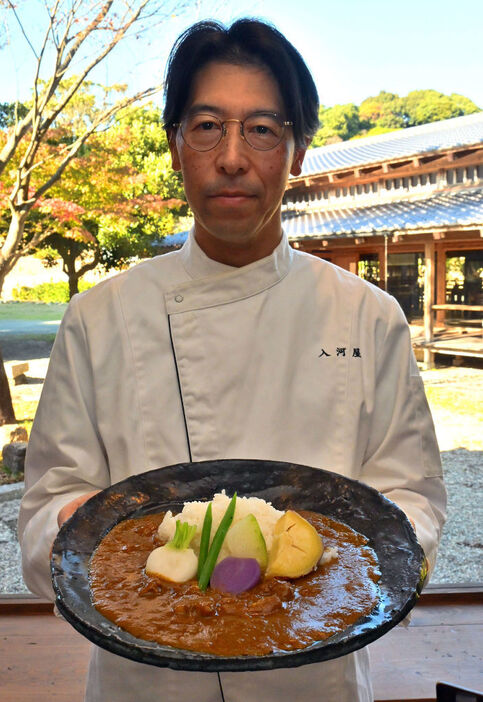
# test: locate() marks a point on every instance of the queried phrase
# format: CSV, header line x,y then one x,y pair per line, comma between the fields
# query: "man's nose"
x,y
232,151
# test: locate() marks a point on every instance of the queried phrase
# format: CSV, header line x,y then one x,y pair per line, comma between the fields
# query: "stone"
x,y
14,456
19,434
18,369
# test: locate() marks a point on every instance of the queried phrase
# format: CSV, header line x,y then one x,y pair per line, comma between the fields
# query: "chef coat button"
x,y
178,298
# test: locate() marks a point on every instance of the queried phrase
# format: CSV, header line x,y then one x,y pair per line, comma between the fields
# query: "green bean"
x,y
205,539
216,545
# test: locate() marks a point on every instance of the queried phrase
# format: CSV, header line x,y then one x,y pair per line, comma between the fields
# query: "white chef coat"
x,y
182,358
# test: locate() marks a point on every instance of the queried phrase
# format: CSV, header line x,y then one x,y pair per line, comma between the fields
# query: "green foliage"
x,y
387,112
423,106
46,292
338,123
10,113
119,196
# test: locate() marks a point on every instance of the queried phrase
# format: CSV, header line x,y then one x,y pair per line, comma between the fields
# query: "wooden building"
x,y
403,210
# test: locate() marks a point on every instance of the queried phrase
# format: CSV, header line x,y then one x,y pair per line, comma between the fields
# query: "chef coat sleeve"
x,y
65,457
402,458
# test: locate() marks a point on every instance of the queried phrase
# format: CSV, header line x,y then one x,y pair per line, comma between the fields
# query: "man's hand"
x,y
69,509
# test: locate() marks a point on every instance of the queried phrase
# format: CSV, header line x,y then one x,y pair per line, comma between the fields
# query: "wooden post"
x,y
385,260
428,301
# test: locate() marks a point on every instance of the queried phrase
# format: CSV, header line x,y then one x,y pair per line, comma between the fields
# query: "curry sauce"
x,y
276,615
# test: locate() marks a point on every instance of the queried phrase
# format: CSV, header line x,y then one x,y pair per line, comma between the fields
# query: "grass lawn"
x,y
41,311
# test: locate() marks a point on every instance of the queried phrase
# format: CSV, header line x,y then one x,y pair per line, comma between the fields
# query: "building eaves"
x,y
447,134
453,208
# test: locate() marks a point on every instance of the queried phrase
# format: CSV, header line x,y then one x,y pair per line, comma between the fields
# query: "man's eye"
x,y
261,129
204,125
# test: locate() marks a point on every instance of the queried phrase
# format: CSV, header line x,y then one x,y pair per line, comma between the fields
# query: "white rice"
x,y
194,514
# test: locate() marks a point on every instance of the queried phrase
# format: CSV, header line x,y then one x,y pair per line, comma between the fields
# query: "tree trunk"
x,y
69,255
7,414
10,253
73,285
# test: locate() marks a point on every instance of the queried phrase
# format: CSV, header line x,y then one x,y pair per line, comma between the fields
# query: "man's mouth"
x,y
232,197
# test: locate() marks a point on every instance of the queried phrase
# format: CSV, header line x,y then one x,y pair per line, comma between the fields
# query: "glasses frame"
x,y
241,122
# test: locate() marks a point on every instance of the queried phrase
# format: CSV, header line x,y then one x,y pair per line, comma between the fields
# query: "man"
x,y
236,346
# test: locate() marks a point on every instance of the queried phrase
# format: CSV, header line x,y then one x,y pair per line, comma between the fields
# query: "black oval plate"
x,y
285,485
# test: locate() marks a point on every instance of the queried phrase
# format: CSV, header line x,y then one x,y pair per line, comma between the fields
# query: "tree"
x,y
76,34
423,106
385,110
11,112
7,414
126,197
338,123
71,28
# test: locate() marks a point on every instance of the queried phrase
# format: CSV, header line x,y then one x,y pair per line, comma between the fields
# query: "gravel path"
x,y
460,552
461,443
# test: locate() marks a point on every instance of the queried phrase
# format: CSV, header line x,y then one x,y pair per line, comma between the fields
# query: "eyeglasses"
x,y
262,131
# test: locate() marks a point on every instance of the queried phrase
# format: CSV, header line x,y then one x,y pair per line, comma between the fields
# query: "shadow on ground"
x,y
26,347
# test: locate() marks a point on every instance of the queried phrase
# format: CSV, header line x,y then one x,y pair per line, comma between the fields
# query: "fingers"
x,y
68,510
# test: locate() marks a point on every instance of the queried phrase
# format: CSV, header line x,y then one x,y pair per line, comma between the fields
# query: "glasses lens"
x,y
263,131
201,132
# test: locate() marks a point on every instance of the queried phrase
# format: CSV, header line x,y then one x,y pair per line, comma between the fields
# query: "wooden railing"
x,y
462,338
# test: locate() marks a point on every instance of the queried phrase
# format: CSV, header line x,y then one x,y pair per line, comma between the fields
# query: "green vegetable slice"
x,y
205,539
182,536
216,545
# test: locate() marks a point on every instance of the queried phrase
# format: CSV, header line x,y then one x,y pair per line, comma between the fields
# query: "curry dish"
x,y
275,615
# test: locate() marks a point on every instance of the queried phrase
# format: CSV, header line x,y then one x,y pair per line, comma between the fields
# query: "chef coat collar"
x,y
215,283
196,263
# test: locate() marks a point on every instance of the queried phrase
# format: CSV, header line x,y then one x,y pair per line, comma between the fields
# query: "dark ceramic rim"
x,y
286,485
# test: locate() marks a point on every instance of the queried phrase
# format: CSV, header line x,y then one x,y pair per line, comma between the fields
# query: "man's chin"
x,y
229,236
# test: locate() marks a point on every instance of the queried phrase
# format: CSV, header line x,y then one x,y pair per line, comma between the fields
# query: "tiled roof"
x,y
413,141
443,209
457,207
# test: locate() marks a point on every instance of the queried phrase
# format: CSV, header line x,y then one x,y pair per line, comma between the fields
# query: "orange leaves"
x,y
64,211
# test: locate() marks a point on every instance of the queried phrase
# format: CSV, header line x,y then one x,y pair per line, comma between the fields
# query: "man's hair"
x,y
246,42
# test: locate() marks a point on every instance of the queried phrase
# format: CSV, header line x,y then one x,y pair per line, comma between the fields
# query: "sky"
x,y
354,48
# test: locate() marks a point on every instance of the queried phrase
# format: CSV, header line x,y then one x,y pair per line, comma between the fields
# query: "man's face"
x,y
235,191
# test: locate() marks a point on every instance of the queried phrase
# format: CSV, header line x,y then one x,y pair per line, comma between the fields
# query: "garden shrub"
x,y
47,292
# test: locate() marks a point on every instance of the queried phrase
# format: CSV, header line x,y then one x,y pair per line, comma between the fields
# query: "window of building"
x,y
432,178
414,181
470,173
388,184
367,188
450,176
375,187
464,281
368,268
405,280
460,175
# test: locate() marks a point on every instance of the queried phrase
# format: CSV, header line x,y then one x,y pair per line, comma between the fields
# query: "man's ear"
x,y
175,162
298,159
